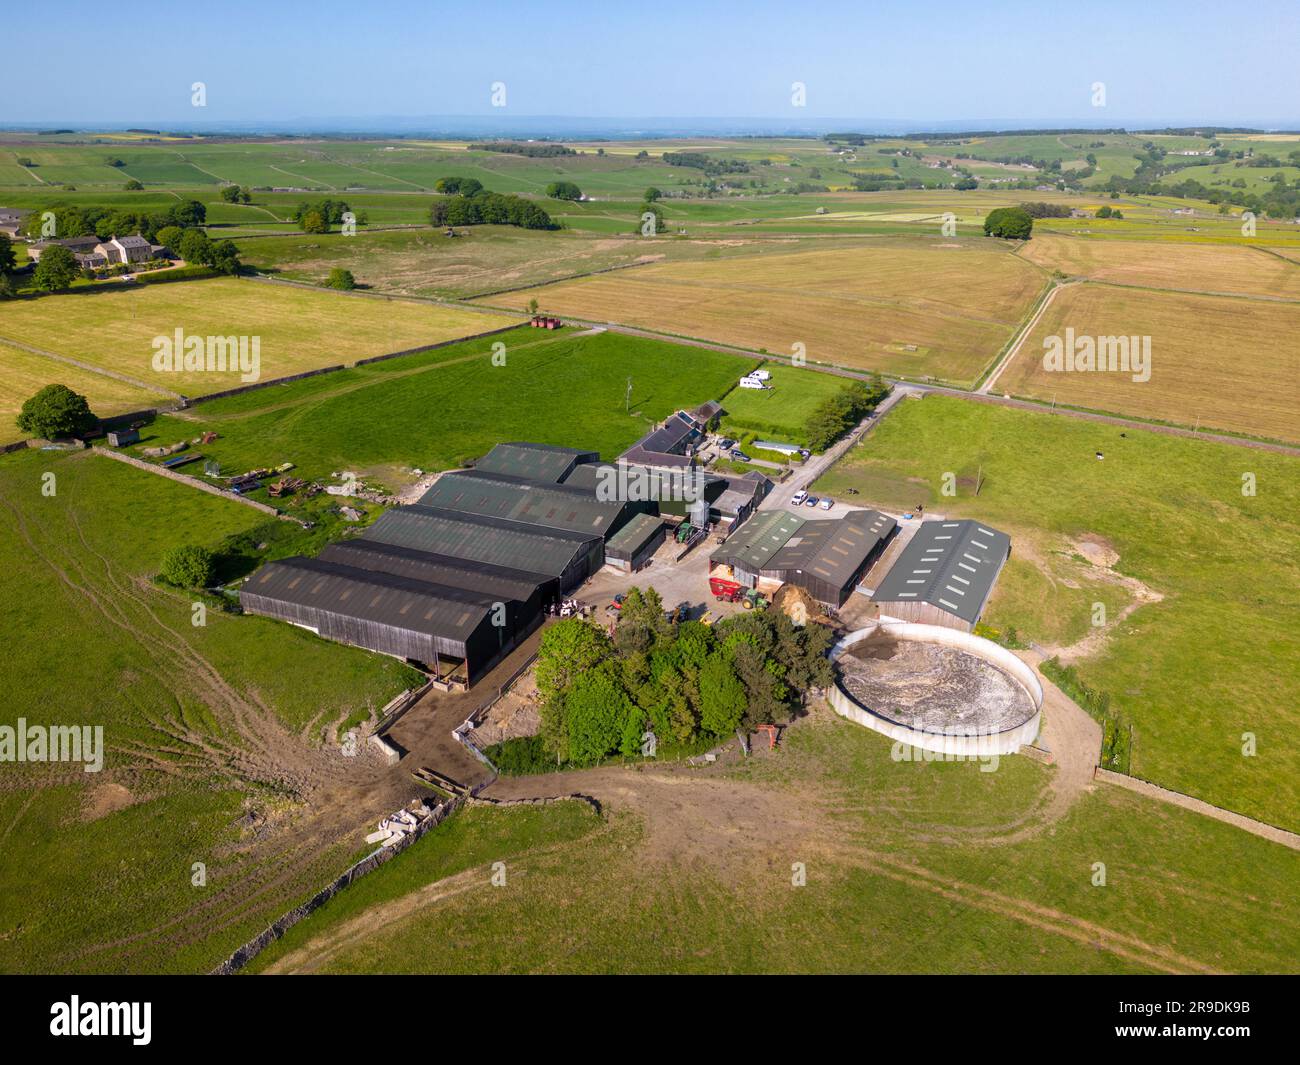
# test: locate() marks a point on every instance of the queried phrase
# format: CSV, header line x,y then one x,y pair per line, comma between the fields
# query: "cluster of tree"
x,y
196,247
236,194
534,150
563,190
488,208
8,260
678,680
56,411
1109,212
341,279
837,414
711,166
1038,209
1280,200
188,566
105,222
459,186
650,208
318,217
1014,223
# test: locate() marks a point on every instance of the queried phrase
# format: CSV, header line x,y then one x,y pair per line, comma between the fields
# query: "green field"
x,y
444,408
1217,657
782,412
910,868
201,724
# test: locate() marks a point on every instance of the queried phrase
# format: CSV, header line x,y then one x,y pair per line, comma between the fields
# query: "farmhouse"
x,y
945,574
11,221
827,558
670,446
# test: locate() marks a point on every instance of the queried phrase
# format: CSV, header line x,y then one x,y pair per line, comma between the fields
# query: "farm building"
x,y
630,548
827,558
739,498
570,557
540,462
945,574
672,491
453,631
123,437
551,506
670,446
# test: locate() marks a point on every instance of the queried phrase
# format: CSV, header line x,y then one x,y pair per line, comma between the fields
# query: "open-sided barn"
x,y
945,574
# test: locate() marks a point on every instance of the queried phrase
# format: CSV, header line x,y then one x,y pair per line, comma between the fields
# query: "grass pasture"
x,y
880,895
201,723
23,374
1226,363
783,411
912,308
300,329
1201,267
1217,657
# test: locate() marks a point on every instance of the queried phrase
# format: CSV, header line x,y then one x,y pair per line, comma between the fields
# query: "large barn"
x,y
827,558
945,574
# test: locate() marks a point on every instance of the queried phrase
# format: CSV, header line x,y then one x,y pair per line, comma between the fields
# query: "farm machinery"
x,y
725,591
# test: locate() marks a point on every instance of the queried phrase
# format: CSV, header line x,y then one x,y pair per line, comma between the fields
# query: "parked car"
x,y
811,501
827,504
726,443
797,500
738,455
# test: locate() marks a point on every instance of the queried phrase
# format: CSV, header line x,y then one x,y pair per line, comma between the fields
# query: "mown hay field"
x,y
1202,267
1219,362
23,374
931,308
299,328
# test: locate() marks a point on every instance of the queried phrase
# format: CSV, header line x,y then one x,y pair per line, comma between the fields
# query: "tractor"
x,y
725,591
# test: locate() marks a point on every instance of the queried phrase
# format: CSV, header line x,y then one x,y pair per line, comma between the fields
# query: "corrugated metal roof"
x,y
834,550
761,537
541,462
499,495
672,437
500,582
433,609
633,536
949,564
483,539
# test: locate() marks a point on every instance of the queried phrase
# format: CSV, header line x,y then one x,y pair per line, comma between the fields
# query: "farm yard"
x,y
912,308
1203,641
1226,363
208,730
299,328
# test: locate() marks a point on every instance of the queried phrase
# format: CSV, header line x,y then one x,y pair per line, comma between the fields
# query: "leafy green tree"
x,y
1013,223
597,709
313,221
722,696
56,411
652,194
170,237
341,279
188,566
56,270
563,190
569,648
8,259
188,213
195,247
230,193
223,257
133,186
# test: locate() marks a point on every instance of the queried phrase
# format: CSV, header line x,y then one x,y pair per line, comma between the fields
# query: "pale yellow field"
x,y
1199,267
23,374
299,328
956,302
1232,363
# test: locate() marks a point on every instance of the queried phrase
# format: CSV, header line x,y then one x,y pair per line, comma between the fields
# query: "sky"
x,y
993,64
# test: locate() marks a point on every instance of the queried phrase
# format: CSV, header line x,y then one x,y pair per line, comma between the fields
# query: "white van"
x,y
751,382
799,497
760,375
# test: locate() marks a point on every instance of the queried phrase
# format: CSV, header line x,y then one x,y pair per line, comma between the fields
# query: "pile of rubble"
x,y
398,825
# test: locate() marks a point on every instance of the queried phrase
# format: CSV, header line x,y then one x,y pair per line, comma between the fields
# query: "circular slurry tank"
x,y
936,688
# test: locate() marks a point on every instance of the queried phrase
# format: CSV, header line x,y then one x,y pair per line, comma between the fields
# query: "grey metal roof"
x,y
834,551
541,462
499,495
633,536
500,582
646,457
498,541
670,438
755,542
433,609
637,482
949,564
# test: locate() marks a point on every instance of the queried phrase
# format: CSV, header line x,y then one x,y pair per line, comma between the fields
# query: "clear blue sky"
x,y
1019,62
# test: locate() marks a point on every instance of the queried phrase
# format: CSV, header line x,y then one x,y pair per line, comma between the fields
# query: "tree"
x,y
230,193
652,194
195,247
223,257
170,237
1011,222
188,213
341,279
563,190
722,696
188,566
56,270
313,222
133,186
56,411
597,711
7,257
